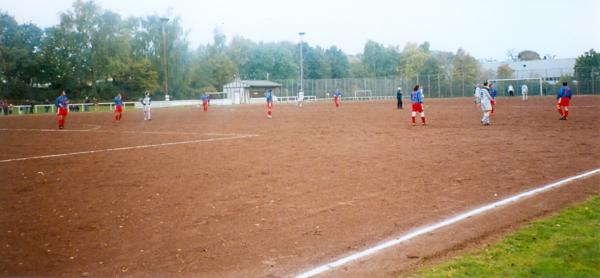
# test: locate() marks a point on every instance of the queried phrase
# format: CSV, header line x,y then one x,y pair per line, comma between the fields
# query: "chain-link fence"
x,y
581,80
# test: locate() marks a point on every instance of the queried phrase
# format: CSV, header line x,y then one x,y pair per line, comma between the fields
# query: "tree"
x,y
379,60
511,55
413,59
315,65
587,63
504,71
19,51
138,76
528,55
466,67
359,70
338,62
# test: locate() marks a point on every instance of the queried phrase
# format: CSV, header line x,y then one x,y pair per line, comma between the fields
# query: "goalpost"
x,y
517,83
363,94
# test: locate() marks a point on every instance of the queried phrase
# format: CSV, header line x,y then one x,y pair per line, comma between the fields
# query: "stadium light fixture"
x,y
301,63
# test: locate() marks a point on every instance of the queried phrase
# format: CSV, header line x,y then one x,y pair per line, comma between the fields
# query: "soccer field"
x,y
230,193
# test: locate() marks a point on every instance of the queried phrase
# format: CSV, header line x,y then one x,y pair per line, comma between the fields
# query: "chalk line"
x,y
446,222
129,148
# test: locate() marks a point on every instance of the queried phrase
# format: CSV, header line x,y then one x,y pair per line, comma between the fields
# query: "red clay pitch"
x,y
316,183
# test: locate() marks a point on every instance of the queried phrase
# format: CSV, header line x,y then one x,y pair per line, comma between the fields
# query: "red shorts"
x,y
269,105
417,107
119,108
564,101
63,111
493,102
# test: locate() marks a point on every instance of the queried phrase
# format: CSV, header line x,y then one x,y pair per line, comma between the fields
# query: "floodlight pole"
x,y
301,63
163,21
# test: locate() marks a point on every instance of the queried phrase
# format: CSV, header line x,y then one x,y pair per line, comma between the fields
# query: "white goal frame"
x,y
368,94
517,79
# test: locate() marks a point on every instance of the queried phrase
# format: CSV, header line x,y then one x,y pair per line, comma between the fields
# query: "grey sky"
x,y
486,29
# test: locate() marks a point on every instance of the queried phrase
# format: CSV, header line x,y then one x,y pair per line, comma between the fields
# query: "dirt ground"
x,y
314,184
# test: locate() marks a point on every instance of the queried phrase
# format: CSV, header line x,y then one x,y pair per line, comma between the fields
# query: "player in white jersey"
x,y
524,91
300,98
146,104
484,99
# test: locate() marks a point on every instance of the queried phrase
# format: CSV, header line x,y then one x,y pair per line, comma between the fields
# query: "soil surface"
x,y
315,183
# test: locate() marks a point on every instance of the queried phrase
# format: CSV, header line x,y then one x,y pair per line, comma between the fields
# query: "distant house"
x,y
249,91
549,70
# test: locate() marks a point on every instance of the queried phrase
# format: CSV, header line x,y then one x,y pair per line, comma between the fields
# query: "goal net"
x,y
534,86
363,94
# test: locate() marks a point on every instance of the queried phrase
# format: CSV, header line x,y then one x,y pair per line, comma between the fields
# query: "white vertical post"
x,y
541,91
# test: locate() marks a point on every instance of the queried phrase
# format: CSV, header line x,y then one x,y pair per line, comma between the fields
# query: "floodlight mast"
x,y
164,21
301,62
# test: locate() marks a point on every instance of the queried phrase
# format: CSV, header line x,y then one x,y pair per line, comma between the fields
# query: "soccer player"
x,y
511,90
118,107
337,95
563,99
205,100
416,97
493,94
146,104
484,99
300,98
399,97
62,103
269,97
524,91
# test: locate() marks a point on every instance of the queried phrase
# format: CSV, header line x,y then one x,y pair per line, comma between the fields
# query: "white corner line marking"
x,y
448,221
96,128
129,148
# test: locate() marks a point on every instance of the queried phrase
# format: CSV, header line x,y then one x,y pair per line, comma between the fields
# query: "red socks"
x,y
423,120
560,111
414,121
566,113
61,122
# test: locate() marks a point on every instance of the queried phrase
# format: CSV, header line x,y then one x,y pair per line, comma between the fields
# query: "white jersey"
x,y
485,99
146,102
510,88
524,88
300,96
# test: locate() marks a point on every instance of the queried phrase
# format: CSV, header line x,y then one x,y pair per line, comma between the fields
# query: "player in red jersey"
x,y
62,104
416,97
563,100
118,107
336,97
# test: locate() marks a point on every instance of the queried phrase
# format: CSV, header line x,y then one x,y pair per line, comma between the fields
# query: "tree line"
x,y
96,53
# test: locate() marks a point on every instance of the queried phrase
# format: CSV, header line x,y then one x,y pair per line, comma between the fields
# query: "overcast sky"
x,y
486,29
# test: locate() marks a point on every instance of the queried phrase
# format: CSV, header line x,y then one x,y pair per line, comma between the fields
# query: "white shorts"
x,y
486,105
146,107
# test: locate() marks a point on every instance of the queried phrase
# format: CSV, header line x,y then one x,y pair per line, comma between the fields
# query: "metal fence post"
x,y
593,84
463,83
439,87
429,84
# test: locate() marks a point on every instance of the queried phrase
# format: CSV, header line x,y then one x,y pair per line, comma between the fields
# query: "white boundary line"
x,y
129,148
448,221
95,129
